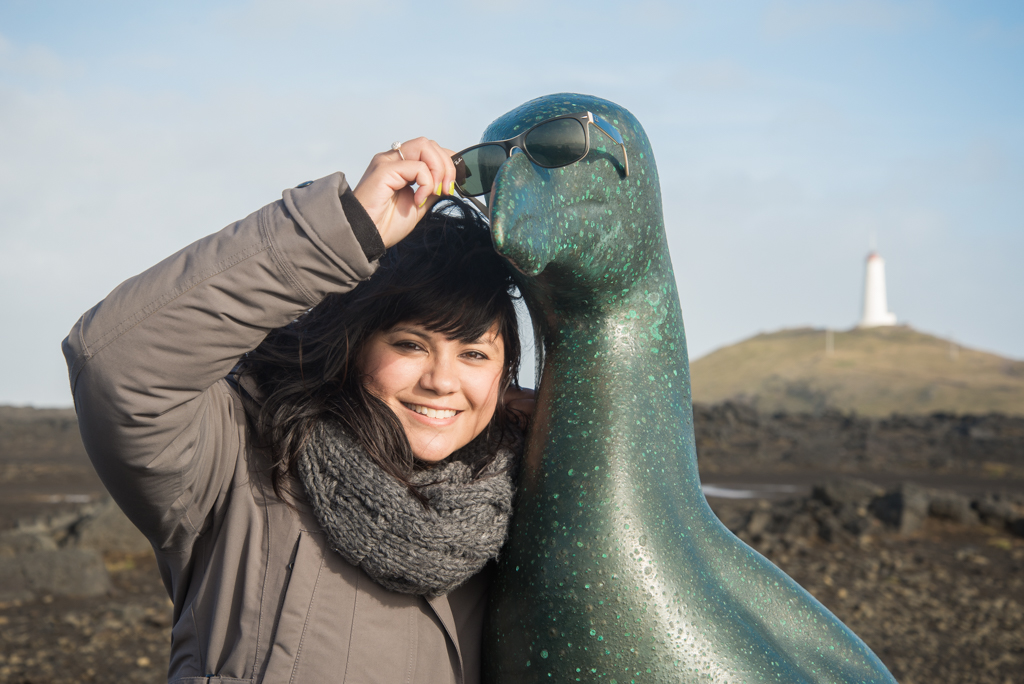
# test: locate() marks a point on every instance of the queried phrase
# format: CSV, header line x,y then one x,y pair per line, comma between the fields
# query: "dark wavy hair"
x,y
444,276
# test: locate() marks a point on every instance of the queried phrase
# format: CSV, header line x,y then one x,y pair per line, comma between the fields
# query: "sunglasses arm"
x,y
477,203
625,157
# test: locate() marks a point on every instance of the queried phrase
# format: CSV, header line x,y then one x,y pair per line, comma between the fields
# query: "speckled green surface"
x,y
616,570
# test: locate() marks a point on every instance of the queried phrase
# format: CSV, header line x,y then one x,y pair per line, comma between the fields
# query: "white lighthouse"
x,y
876,308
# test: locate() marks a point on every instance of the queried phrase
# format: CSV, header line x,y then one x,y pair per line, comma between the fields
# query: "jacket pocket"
x,y
305,568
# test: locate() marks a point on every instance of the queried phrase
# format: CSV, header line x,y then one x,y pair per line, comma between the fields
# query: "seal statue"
x,y
616,569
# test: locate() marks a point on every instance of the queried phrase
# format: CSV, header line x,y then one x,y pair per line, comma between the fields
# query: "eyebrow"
x,y
410,331
423,334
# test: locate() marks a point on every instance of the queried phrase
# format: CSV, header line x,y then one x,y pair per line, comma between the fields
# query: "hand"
x,y
520,404
385,189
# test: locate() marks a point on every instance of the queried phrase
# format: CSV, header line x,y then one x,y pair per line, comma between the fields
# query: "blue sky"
x,y
786,133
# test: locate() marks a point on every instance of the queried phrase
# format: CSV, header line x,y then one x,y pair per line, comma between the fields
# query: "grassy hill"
x,y
874,371
30,434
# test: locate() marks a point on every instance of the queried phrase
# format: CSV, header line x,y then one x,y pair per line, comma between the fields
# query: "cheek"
x,y
384,374
485,391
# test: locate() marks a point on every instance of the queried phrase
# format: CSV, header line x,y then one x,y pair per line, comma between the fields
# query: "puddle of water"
x,y
64,498
749,491
727,492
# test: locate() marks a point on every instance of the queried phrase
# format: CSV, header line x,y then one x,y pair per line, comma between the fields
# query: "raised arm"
x,y
147,363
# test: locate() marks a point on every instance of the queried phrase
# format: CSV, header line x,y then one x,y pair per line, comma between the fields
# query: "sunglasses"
x,y
554,142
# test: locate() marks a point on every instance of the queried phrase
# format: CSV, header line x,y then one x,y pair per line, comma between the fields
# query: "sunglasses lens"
x,y
557,143
475,175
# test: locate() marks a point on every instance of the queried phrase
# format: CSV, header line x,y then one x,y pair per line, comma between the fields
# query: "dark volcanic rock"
x,y
999,511
845,509
847,491
905,509
16,542
106,528
62,572
734,437
952,506
62,554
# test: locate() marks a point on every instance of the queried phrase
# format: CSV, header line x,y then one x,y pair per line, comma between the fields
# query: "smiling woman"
x,y
443,391
434,329
314,417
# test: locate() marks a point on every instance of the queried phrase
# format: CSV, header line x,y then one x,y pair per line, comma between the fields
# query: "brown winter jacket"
x,y
258,596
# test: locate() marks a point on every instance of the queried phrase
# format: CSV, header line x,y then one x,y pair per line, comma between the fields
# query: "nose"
x,y
441,375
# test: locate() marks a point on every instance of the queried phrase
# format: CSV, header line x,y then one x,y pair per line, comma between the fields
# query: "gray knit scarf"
x,y
374,522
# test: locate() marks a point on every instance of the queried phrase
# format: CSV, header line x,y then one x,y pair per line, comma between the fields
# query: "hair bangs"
x,y
447,277
465,316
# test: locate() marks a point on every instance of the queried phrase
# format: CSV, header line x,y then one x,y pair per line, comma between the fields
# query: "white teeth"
x,y
432,413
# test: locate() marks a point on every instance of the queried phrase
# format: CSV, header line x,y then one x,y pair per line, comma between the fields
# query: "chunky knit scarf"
x,y
373,521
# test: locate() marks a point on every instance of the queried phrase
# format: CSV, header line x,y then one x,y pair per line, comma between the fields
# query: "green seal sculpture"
x,y
616,569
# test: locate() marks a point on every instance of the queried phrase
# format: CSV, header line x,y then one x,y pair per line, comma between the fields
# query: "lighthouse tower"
x,y
876,308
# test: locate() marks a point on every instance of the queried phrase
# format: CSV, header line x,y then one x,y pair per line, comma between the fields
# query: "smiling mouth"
x,y
431,413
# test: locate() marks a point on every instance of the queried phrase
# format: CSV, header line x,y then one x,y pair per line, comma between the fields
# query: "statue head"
x,y
587,226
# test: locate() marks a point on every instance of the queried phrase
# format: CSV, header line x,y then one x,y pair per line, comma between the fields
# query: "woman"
x,y
320,514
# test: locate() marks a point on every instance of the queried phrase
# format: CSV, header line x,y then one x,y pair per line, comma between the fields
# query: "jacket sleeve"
x,y
147,363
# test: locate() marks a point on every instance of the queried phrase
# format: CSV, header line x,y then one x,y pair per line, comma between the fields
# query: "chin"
x,y
432,453
432,457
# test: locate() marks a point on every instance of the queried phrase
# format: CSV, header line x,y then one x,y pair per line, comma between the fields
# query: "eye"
x,y
475,355
409,345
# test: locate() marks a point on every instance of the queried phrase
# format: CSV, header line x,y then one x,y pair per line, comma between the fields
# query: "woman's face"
x,y
443,391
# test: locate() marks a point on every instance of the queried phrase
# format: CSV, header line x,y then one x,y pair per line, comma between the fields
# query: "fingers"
x,y
438,161
425,164
385,190
401,174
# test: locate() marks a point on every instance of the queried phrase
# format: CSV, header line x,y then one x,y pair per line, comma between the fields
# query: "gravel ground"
x,y
940,603
944,604
124,636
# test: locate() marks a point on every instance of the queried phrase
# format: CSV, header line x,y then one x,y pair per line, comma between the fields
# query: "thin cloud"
x,y
713,76
31,61
315,17
792,18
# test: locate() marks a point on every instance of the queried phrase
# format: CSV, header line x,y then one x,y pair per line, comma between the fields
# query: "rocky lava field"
x,y
912,534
